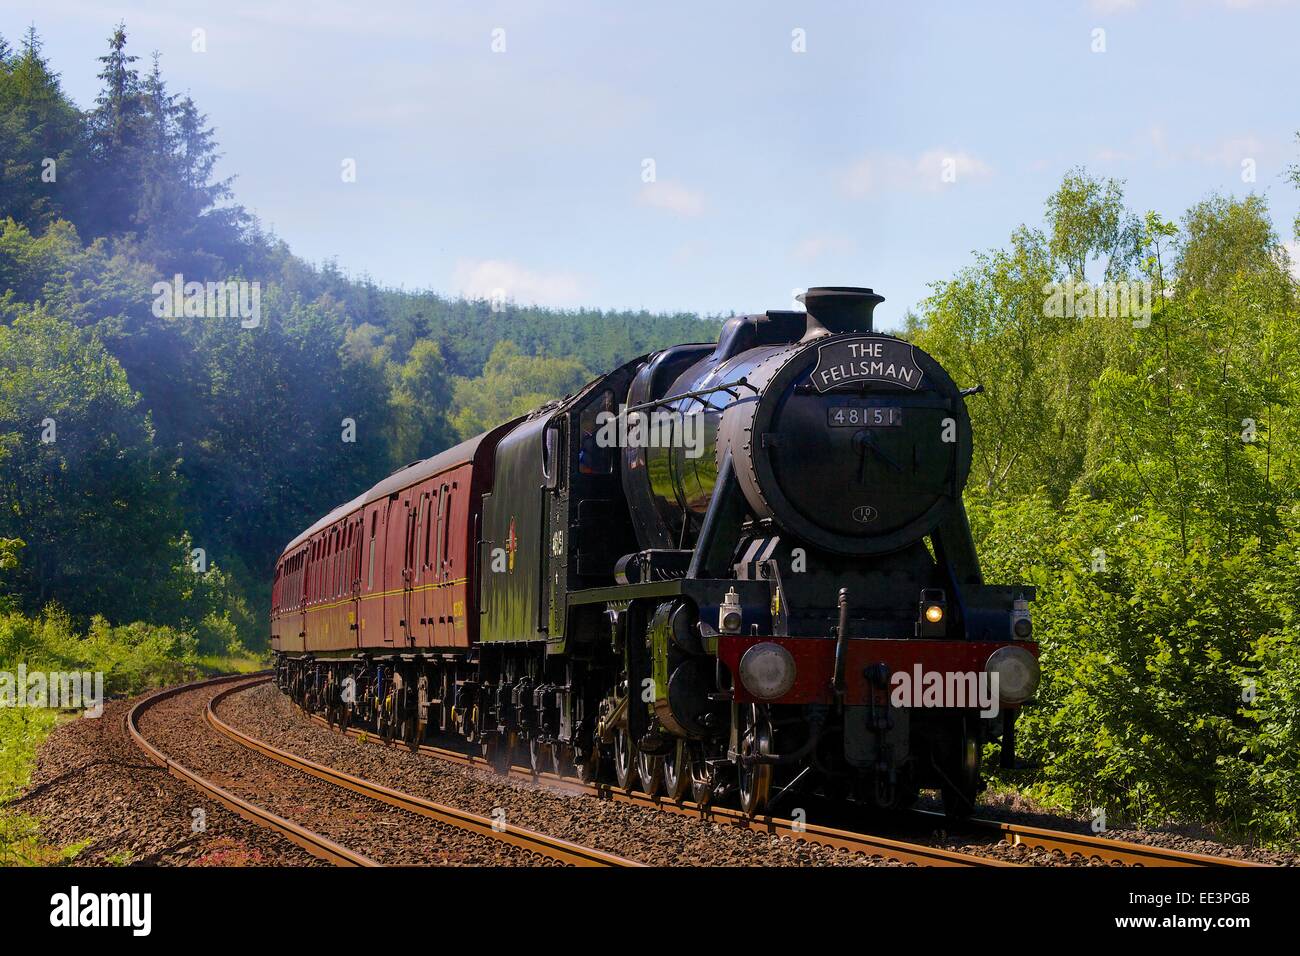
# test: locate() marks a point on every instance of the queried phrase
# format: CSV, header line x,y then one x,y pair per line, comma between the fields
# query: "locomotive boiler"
x,y
733,570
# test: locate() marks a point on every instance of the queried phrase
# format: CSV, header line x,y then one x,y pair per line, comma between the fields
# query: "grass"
x,y
135,658
22,730
245,662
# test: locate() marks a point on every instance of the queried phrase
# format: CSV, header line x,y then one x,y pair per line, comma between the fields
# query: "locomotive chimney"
x,y
838,308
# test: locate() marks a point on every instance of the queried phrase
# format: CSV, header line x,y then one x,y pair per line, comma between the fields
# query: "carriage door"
x,y
409,567
395,582
371,597
422,575
304,568
441,611
353,578
555,530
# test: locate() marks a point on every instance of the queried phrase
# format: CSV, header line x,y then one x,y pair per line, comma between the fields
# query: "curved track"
x,y
533,845
540,844
309,840
1059,842
854,842
1091,847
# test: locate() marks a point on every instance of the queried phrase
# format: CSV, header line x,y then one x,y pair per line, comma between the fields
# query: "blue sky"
x,y
523,170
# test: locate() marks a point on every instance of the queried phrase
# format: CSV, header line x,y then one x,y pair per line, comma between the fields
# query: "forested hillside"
x,y
178,433
1140,466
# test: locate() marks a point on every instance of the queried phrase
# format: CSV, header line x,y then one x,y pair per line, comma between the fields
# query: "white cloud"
x,y
1108,155
673,197
1230,152
930,171
489,278
1154,144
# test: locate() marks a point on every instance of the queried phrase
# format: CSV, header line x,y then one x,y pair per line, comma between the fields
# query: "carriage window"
x,y
428,536
446,531
347,558
357,551
410,538
374,517
338,562
416,531
443,495
596,457
342,568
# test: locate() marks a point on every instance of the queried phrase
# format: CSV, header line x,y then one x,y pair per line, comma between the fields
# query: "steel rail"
x,y
1085,846
315,844
854,842
1092,847
531,841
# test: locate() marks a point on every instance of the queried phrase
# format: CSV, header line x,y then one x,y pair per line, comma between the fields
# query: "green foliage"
x,y
73,443
37,124
132,658
511,384
21,731
1141,472
1170,680
421,397
1087,219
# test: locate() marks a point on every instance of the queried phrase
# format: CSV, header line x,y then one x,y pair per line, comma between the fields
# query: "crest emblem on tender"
x,y
512,545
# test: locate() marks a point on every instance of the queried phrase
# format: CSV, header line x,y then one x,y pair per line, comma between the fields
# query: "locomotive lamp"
x,y
729,614
1021,626
933,609
1017,671
767,670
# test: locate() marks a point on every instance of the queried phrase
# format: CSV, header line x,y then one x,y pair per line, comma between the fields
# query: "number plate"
x,y
857,416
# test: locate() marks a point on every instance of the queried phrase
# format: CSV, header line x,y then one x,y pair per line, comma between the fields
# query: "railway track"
x,y
314,843
919,854
529,842
1064,844
1092,847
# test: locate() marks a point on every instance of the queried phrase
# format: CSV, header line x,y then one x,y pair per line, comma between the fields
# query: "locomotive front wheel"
x,y
704,779
677,772
649,771
754,780
625,762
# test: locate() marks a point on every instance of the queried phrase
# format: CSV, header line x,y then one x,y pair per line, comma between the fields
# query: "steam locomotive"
x,y
733,570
